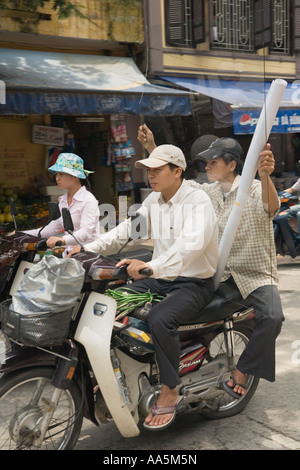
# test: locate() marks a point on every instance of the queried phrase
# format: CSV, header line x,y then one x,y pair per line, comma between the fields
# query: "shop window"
x,y
184,21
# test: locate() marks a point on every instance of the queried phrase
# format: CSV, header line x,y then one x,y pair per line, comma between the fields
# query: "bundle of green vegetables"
x,y
129,299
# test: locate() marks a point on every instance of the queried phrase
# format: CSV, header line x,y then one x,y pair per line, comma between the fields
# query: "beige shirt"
x,y
184,233
252,258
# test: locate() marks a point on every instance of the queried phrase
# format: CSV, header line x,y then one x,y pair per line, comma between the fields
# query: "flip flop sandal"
x,y
163,410
225,386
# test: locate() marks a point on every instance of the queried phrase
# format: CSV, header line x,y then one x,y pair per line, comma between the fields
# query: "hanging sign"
x,y
47,135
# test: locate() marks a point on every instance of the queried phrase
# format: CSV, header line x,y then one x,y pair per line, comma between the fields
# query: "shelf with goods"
x,y
122,166
121,153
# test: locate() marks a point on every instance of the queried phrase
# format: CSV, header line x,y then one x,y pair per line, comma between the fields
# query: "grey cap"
x,y
201,144
220,147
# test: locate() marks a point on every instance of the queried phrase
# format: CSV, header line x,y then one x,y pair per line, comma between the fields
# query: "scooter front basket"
x,y
44,329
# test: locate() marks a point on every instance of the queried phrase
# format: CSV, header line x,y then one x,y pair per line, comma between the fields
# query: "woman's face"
x,y
64,180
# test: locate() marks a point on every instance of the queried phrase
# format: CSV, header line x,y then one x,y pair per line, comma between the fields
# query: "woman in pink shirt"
x,y
83,206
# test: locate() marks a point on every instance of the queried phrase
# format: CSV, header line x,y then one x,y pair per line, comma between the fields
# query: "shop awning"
x,y
241,94
39,82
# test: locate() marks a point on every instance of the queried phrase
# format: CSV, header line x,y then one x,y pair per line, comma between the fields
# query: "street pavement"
x,y
271,421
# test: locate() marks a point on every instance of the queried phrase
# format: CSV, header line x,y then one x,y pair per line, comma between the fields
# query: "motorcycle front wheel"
x,y
224,405
25,398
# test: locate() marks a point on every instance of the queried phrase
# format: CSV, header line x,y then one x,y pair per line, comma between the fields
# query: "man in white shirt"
x,y
183,226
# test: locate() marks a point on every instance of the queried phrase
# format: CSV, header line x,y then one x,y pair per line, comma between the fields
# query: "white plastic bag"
x,y
53,284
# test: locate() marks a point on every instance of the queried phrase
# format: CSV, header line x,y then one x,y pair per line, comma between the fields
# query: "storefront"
x,y
236,107
90,105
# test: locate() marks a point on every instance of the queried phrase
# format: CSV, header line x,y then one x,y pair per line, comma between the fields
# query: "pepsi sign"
x,y
286,121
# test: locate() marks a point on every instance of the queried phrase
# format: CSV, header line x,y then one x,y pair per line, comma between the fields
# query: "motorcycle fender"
x,y
94,333
26,357
24,266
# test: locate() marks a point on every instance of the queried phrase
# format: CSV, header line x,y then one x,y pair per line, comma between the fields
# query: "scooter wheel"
x,y
25,398
224,405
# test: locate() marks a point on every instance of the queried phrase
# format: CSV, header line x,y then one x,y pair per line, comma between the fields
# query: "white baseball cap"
x,y
162,155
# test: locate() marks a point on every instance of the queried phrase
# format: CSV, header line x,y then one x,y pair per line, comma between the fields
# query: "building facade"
x,y
72,84
228,52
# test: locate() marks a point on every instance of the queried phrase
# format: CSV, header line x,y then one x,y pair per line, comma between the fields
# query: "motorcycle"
x,y
285,228
105,368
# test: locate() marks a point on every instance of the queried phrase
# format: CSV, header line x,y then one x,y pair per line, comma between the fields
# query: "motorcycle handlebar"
x,y
116,273
42,245
145,272
121,272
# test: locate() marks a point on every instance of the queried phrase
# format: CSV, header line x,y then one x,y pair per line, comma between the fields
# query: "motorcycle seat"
x,y
226,301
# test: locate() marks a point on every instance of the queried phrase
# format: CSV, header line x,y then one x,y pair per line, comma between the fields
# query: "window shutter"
x,y
174,22
198,21
297,25
262,23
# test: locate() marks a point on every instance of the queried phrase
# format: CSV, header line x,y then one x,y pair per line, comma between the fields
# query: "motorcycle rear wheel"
x,y
224,405
21,408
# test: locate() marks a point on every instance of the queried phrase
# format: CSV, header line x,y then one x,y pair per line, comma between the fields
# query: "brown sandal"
x,y
163,410
229,390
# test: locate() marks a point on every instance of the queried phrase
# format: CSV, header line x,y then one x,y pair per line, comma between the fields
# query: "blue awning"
x,y
59,83
239,93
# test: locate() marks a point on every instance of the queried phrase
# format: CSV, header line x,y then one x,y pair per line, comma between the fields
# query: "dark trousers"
x,y
258,358
184,298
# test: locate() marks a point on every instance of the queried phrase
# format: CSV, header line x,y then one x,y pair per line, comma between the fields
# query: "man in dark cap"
x,y
251,263
199,145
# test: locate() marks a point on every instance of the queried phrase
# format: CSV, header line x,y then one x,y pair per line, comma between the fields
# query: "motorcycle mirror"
x,y
54,212
138,226
133,216
68,225
13,209
67,219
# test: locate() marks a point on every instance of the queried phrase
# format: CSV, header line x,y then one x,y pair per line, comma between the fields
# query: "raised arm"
x,y
266,167
146,138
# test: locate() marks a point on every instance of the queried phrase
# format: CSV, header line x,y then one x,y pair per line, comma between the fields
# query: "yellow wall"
x,y
228,66
22,163
105,20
